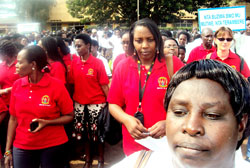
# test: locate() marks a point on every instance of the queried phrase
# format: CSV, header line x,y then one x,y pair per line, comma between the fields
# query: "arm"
x,y
10,138
105,89
133,125
5,91
58,121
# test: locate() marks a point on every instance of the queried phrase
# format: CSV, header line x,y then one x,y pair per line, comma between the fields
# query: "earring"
x,y
134,52
33,68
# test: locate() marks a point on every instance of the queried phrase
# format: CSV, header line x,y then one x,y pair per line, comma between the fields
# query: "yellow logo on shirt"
x,y
45,99
90,72
163,82
233,66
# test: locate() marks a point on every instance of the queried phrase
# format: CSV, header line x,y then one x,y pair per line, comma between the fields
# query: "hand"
x,y
8,162
135,128
41,124
158,130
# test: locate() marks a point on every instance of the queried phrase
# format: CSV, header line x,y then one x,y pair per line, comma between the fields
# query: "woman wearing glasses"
x,y
223,38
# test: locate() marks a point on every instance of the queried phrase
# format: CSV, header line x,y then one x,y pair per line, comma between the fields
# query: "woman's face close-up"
x,y
224,41
23,67
144,43
182,39
201,128
125,42
81,48
170,47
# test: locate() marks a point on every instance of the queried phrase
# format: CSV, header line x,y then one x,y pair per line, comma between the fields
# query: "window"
x,y
184,23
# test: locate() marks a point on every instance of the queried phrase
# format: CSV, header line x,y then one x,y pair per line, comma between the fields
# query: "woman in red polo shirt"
x,y
90,81
57,66
8,54
40,106
146,70
223,38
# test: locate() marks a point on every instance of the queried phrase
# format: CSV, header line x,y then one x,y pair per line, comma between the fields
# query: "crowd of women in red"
x,y
50,96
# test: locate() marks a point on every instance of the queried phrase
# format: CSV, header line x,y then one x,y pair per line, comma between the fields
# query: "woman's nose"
x,y
193,125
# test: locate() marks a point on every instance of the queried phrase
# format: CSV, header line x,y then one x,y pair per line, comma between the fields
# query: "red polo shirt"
x,y
57,70
88,77
234,61
48,99
199,53
7,77
124,91
3,106
117,60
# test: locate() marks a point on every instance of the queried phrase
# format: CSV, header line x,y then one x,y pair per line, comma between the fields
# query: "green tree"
x,y
125,11
34,10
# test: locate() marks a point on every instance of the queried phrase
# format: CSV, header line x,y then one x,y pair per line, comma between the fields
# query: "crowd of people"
x,y
53,88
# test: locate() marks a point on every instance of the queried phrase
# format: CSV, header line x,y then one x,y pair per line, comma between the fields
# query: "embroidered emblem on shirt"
x,y
90,72
45,99
233,66
163,83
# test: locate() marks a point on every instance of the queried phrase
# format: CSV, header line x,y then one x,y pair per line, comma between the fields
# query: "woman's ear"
x,y
242,126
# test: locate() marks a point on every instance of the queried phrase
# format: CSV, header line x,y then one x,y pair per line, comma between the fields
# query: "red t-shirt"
x,y
234,61
57,70
117,60
3,106
88,77
7,77
48,99
199,53
124,91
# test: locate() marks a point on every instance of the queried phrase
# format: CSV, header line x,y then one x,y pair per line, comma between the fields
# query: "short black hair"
x,y
85,38
38,55
182,47
8,48
152,26
186,34
95,43
166,33
171,38
231,80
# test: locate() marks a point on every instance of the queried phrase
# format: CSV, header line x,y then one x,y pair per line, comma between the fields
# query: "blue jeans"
x,y
248,147
53,157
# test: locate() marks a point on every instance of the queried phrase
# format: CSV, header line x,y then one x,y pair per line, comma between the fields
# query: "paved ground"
x,y
113,154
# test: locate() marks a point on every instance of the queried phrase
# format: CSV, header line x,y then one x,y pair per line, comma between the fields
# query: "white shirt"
x,y
105,63
162,158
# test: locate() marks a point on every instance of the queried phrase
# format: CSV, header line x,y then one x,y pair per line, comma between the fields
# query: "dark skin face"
x,y
82,48
207,38
144,44
194,125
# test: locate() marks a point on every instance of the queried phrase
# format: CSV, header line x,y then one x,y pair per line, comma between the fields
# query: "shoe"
x,y
87,165
100,164
247,159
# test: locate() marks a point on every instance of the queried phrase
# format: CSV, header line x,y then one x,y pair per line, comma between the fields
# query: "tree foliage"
x,y
34,10
125,11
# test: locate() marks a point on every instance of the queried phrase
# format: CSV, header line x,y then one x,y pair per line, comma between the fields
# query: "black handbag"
x,y
110,130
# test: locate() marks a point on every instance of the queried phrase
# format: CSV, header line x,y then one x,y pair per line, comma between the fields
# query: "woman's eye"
x,y
212,116
138,41
179,113
150,40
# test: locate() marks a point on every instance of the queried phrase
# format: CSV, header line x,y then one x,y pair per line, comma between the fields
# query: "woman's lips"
x,y
192,148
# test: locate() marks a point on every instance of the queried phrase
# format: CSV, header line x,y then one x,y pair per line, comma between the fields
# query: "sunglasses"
x,y
223,39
